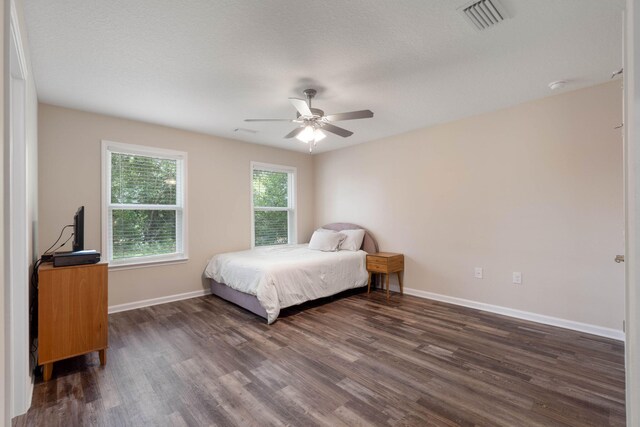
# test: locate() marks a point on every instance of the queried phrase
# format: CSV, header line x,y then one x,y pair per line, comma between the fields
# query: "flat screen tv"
x,y
78,230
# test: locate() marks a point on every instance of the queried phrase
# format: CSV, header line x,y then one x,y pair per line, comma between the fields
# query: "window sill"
x,y
144,264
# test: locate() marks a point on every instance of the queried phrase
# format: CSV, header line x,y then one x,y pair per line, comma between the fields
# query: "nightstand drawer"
x,y
377,268
385,264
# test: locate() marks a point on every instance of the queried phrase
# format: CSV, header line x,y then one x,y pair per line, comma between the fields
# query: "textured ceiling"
x,y
206,65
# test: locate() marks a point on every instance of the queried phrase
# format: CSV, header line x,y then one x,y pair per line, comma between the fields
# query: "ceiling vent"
x,y
484,14
245,130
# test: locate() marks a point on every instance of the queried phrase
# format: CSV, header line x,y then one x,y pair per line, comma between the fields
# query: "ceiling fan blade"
x,y
301,106
351,115
268,120
294,132
335,129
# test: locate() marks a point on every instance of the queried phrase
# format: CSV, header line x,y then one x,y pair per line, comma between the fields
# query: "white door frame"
x,y
632,210
17,232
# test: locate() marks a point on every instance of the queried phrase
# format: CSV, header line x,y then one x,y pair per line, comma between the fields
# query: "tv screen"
x,y
78,230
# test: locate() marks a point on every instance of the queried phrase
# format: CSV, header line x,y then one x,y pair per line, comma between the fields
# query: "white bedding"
x,y
282,276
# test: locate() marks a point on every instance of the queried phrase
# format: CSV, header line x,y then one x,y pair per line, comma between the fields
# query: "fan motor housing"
x,y
316,112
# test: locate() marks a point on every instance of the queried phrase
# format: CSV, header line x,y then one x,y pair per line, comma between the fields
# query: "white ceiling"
x,y
206,65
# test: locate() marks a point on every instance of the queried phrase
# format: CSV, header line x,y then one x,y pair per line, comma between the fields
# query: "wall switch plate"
x,y
517,278
477,273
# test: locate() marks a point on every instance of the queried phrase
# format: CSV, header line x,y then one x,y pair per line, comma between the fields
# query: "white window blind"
x,y
273,204
144,212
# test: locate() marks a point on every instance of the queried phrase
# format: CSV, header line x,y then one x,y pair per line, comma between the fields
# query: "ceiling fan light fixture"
x,y
306,135
311,134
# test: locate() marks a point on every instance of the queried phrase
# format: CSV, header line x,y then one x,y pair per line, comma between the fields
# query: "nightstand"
x,y
385,263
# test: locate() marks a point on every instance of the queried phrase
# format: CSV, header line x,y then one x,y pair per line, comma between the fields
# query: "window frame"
x,y
292,171
181,254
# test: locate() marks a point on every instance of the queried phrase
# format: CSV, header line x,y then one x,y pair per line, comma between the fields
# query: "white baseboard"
x,y
155,301
525,315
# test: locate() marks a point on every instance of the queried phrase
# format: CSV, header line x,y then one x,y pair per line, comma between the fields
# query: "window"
x,y
273,204
144,209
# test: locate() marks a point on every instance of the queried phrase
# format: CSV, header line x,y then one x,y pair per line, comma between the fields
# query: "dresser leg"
x,y
387,285
103,356
400,282
47,370
369,283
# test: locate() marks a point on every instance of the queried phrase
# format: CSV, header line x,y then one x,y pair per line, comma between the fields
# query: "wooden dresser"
x,y
385,263
72,313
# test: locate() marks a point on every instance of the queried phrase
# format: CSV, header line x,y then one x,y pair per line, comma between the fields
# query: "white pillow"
x,y
327,240
353,240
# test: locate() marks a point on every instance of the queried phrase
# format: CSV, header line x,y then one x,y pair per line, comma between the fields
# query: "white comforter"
x,y
282,276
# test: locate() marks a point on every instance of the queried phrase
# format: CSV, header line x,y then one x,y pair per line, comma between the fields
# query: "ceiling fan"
x,y
313,122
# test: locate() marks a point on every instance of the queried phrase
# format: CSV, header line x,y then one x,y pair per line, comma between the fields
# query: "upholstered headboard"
x,y
369,244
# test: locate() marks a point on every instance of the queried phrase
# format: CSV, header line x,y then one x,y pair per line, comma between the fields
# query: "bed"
x,y
267,279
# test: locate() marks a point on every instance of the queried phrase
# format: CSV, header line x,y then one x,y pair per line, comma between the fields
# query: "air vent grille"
x,y
484,14
245,130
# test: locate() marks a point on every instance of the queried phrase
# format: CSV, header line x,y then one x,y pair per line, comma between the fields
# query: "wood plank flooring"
x,y
356,360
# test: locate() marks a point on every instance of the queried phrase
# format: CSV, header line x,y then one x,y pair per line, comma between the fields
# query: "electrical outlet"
x,y
477,273
517,278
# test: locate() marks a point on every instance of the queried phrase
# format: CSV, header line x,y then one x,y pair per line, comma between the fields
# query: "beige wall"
x,y
218,192
536,188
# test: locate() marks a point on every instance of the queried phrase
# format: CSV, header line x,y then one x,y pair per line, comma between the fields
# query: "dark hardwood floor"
x,y
358,360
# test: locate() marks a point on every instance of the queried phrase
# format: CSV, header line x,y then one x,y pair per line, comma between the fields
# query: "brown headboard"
x,y
369,244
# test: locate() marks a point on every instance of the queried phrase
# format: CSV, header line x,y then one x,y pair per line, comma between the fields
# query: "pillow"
x,y
353,240
327,240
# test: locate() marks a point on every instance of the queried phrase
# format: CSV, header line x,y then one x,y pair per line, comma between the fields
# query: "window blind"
x,y
271,228
143,180
139,233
